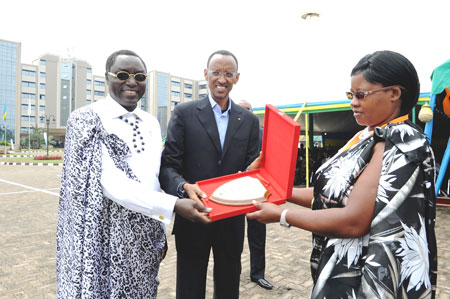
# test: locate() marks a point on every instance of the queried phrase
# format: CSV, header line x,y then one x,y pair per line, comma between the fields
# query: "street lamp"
x,y
47,122
308,15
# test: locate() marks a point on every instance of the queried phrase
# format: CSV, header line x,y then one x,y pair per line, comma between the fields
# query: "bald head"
x,y
246,105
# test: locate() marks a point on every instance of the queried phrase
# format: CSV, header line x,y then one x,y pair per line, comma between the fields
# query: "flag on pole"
x,y
4,113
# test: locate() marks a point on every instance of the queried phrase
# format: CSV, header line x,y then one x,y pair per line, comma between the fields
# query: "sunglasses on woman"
x,y
362,94
123,76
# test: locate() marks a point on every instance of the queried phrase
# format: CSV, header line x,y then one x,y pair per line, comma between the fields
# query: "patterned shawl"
x,y
103,249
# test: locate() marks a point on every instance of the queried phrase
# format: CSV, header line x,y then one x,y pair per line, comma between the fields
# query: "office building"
x,y
45,92
165,91
51,88
9,89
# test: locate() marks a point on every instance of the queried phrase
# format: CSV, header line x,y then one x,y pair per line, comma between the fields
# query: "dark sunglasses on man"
x,y
123,76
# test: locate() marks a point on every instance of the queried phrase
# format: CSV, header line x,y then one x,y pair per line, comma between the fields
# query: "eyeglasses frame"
x,y
369,92
223,73
129,75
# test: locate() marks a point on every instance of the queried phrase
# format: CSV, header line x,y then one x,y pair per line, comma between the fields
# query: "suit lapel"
x,y
234,123
206,117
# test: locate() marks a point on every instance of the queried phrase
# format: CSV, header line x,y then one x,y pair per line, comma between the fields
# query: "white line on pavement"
x,y
28,187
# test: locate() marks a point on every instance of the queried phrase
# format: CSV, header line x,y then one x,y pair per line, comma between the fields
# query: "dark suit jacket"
x,y
192,150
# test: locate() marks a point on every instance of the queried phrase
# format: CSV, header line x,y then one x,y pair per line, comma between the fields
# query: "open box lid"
x,y
277,171
280,146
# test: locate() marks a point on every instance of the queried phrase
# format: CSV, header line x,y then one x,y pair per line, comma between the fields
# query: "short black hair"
x,y
391,68
222,52
112,58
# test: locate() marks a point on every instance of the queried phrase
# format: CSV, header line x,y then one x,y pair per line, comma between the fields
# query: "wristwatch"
x,y
181,193
283,221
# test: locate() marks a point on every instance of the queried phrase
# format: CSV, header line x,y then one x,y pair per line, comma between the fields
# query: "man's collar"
x,y
213,103
115,110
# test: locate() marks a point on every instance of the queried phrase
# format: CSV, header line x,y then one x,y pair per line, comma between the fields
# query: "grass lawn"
x,y
29,160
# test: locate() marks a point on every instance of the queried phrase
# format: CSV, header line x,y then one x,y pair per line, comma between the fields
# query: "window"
x,y
28,73
26,95
42,74
33,107
174,103
88,91
89,70
188,95
28,84
24,130
42,85
41,108
24,106
41,119
202,86
32,118
186,85
99,83
175,94
88,102
24,118
88,82
175,84
42,62
42,96
99,93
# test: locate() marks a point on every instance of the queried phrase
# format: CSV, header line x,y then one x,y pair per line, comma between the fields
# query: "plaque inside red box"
x,y
279,147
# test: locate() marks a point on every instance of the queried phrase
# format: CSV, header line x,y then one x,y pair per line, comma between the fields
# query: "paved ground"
x,y
28,209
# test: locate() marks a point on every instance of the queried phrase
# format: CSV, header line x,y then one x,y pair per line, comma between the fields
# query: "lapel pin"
x,y
239,118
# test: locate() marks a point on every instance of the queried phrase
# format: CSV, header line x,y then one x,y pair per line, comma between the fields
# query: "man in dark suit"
x,y
208,138
256,235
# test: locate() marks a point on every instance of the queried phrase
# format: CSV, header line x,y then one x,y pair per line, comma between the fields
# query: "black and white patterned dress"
x,y
103,249
398,257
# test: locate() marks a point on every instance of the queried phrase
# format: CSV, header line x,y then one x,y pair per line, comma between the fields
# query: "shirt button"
x,y
161,217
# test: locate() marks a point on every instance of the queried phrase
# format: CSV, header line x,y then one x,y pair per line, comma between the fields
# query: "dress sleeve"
x,y
133,194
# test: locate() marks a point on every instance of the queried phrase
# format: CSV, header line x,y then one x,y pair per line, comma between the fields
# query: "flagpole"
x,y
29,134
5,139
4,120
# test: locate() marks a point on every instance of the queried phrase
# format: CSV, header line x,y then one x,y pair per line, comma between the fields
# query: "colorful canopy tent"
x,y
335,122
315,121
440,97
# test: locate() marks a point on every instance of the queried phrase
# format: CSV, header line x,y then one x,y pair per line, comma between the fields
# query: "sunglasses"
x,y
362,94
123,76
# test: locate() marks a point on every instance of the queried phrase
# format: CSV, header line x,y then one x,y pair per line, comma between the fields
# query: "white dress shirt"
x,y
221,118
145,196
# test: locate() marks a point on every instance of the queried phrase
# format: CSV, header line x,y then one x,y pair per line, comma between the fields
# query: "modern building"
x,y
51,88
44,93
9,89
165,91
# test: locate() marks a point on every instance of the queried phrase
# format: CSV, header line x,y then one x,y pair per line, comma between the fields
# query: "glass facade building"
x,y
162,100
9,66
66,76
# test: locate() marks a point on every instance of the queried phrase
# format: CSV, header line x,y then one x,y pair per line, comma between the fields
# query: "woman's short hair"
x,y
391,68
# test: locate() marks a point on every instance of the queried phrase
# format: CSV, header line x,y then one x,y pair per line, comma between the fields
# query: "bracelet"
x,y
312,202
283,221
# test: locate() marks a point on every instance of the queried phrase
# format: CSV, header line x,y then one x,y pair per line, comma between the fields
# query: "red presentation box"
x,y
280,145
